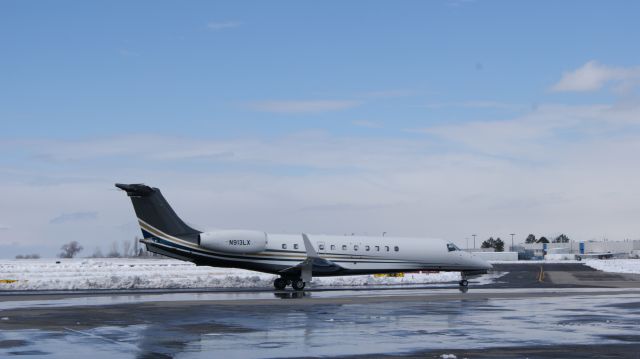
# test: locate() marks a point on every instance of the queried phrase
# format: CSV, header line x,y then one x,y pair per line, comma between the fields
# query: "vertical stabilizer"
x,y
155,214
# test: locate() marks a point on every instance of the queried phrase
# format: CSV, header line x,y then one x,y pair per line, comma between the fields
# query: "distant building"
x,y
627,248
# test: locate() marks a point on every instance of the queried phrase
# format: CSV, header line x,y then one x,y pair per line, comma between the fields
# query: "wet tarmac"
x,y
546,320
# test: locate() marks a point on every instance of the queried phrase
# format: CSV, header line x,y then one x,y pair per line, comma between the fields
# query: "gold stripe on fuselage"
x,y
170,238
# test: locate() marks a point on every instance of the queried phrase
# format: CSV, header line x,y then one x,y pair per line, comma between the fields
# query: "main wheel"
x,y
464,283
280,283
298,284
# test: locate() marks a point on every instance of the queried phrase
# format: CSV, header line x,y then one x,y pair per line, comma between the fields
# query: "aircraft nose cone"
x,y
481,264
486,265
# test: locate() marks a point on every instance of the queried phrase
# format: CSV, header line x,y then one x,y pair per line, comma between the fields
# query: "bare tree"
x,y
28,256
70,250
114,252
97,253
136,246
126,248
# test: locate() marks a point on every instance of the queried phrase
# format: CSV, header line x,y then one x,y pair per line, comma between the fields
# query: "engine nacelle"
x,y
234,241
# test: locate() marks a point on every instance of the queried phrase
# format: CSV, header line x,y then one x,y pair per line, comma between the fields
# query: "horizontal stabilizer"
x,y
136,189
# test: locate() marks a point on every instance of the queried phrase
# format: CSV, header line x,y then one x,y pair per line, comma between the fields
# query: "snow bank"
x,y
120,273
615,265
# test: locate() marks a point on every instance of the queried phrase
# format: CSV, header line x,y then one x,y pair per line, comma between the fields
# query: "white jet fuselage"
x,y
295,258
355,254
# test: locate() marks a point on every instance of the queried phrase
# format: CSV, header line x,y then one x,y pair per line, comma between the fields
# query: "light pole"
x,y
467,243
512,234
474,241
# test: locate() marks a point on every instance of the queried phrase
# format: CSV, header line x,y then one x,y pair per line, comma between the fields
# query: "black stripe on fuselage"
x,y
159,235
249,262
260,264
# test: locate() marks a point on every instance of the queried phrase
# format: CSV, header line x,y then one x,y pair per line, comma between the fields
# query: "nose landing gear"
x,y
463,280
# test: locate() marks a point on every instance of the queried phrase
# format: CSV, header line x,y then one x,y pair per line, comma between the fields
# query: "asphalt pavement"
x,y
571,311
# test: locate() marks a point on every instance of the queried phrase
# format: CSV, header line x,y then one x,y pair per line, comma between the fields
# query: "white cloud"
x,y
557,169
537,135
477,104
308,106
367,124
387,94
220,25
593,76
73,217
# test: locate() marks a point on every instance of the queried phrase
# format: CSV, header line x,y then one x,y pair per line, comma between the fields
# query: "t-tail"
x,y
155,215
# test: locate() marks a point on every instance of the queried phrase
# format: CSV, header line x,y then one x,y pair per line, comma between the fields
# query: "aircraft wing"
x,y
312,264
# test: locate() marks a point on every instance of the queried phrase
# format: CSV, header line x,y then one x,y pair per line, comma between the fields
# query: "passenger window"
x,y
321,247
387,248
284,246
344,247
396,248
295,246
333,247
377,248
355,248
367,248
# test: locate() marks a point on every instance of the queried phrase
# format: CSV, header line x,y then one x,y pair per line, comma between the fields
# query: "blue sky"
x,y
436,118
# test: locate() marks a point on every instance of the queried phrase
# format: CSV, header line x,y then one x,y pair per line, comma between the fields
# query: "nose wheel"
x,y
463,280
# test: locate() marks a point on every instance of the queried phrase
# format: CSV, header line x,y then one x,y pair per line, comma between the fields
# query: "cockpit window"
x,y
452,247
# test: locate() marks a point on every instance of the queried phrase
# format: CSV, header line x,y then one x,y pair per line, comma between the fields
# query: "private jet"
x,y
295,259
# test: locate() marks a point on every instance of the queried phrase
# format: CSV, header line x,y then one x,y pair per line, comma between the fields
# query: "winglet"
x,y
311,252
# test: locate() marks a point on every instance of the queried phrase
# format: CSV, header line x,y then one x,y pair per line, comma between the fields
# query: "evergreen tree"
x,y
497,244
561,239
530,239
543,240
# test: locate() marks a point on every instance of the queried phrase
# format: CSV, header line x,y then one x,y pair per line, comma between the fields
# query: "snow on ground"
x,y
606,265
615,265
537,261
121,273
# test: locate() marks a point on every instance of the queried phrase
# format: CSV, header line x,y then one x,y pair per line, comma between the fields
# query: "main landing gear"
x,y
280,283
295,283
